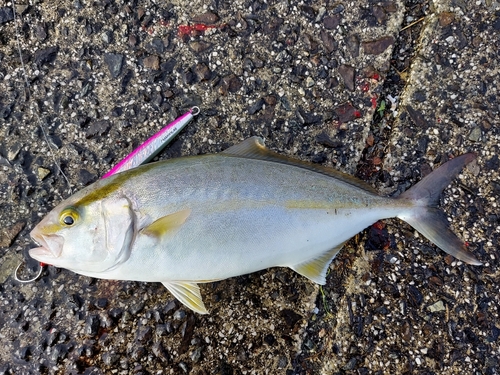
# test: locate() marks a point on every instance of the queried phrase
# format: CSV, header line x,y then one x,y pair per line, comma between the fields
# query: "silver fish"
x,y
204,218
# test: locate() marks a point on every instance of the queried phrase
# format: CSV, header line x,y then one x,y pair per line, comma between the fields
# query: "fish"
x,y
199,219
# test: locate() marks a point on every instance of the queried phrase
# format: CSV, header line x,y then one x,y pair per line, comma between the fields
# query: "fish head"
x,y
87,236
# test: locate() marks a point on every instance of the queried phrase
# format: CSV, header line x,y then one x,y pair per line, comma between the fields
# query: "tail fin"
x,y
427,219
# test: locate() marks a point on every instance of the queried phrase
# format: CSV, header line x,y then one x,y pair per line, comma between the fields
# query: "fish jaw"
x,y
50,249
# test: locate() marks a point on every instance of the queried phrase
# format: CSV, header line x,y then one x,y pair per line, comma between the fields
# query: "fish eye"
x,y
68,220
69,216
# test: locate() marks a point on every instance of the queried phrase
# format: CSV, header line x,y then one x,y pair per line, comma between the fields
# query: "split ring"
x,y
29,280
195,111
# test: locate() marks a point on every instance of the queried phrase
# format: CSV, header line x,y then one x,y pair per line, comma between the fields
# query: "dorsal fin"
x,y
254,148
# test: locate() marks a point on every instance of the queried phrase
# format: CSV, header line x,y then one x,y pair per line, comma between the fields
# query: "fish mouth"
x,y
50,247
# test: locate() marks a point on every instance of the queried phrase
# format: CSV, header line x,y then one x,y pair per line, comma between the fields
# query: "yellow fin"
x,y
253,148
166,224
187,293
315,269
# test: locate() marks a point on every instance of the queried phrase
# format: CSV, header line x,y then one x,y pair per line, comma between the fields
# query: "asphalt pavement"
x,y
386,91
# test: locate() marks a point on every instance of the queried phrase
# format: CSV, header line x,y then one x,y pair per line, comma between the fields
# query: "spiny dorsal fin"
x,y
315,269
253,148
187,293
167,224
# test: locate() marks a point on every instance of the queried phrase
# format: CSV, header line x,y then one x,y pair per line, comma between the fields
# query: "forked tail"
x,y
430,221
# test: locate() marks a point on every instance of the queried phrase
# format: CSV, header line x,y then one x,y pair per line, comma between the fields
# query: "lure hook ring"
x,y
195,111
29,280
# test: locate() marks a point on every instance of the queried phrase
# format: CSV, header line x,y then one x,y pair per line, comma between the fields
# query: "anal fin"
x,y
315,269
187,293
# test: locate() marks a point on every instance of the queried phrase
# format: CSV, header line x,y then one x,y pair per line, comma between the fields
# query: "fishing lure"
x,y
140,155
149,149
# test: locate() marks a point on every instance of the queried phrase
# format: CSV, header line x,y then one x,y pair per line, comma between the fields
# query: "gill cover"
x,y
119,224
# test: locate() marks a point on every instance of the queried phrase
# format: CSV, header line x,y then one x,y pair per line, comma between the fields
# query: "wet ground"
x,y
384,90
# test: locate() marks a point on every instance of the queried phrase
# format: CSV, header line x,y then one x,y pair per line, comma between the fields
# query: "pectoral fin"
x,y
315,269
167,224
188,294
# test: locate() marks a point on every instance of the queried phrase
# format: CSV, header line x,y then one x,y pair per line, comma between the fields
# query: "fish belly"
x,y
226,244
